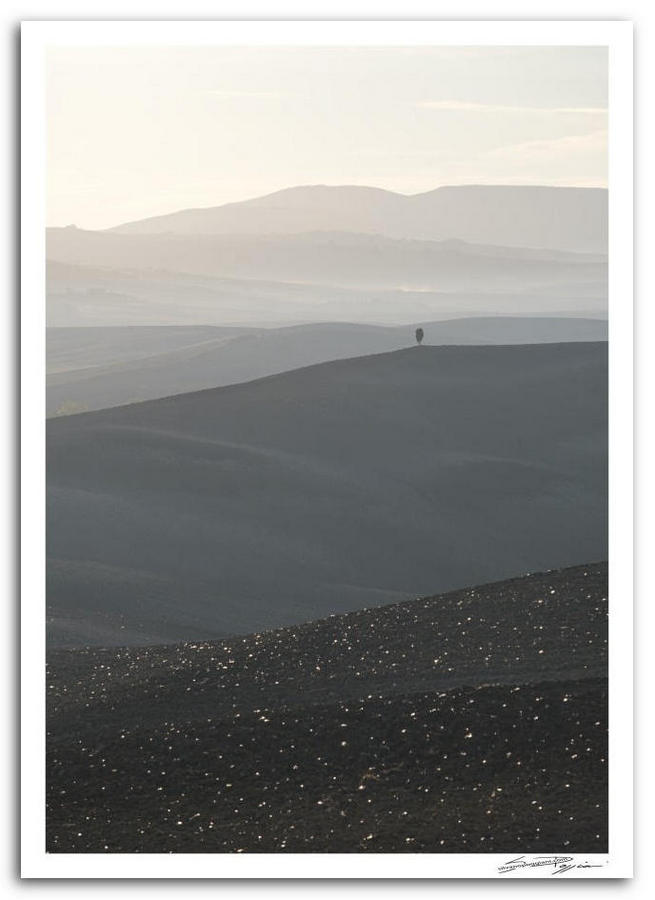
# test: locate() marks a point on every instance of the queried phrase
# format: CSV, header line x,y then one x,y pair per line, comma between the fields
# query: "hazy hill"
x,y
335,258
85,295
427,726
549,217
83,348
315,254
95,368
344,485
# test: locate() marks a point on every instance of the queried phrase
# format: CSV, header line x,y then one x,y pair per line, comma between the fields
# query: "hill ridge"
x,y
565,218
415,348
355,188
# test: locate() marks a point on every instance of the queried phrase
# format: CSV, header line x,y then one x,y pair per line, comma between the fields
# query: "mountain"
x,y
85,295
425,726
95,368
336,258
347,484
316,254
556,218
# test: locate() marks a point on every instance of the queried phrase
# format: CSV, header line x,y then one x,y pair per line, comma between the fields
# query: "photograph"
x,y
332,321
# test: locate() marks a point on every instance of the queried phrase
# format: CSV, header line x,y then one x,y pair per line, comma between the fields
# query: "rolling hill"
x,y
363,261
347,484
95,368
317,254
85,295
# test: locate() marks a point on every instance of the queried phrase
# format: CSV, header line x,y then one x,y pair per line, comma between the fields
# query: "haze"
x,y
136,132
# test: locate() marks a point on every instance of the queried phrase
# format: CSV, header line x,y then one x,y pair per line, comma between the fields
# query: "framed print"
x,y
327,454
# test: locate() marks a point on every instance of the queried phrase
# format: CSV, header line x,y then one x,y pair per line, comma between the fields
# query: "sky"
x,y
137,132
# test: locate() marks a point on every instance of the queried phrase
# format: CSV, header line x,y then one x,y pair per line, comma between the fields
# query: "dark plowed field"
x,y
475,721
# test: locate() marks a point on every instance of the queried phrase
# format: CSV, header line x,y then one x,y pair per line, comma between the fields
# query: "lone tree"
x,y
419,335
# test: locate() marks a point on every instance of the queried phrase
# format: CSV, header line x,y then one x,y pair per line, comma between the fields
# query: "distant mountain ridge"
x,y
556,218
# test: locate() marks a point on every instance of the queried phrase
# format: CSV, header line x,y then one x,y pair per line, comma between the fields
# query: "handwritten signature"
x,y
558,864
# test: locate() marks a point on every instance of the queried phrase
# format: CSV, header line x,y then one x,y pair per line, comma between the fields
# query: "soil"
x,y
474,721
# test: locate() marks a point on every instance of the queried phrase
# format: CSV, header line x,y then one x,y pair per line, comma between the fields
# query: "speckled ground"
x,y
470,722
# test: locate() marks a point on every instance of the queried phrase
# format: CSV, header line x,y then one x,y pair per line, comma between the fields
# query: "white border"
x,y
35,36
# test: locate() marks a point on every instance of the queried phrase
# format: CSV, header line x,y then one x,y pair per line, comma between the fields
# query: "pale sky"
x,y
136,132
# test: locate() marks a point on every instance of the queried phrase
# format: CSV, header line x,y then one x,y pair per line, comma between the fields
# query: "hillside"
x,y
474,721
549,217
336,258
86,295
95,368
322,490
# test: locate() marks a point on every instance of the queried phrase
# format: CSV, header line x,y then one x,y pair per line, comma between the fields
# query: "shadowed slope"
x,y
95,368
324,489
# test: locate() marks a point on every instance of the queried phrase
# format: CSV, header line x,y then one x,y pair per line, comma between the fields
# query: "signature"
x,y
558,864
